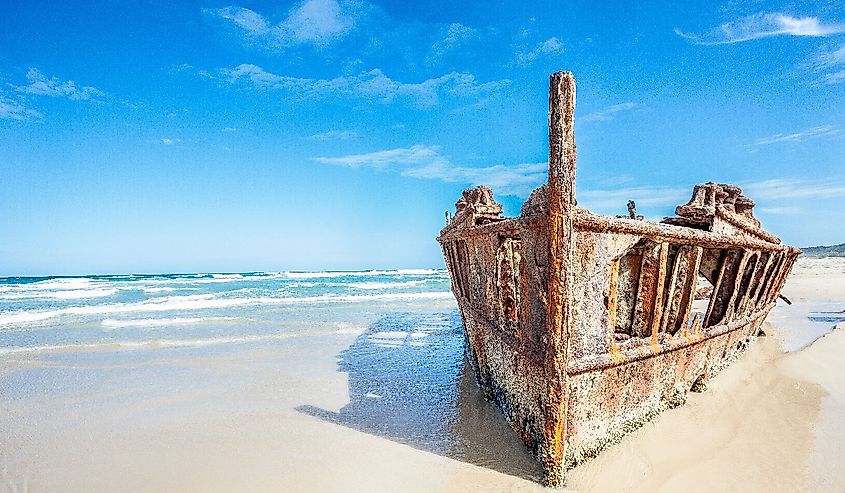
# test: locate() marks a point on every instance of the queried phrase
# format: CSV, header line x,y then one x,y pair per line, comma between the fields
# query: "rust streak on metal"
x,y
657,315
689,288
588,221
580,326
603,362
561,203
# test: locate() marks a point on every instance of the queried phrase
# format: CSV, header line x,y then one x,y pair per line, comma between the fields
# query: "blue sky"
x,y
329,134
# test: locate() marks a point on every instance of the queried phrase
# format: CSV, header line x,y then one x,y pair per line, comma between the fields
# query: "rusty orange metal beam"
x,y
561,197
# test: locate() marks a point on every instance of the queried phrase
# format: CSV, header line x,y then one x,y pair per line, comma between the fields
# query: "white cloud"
x,y
793,188
833,58
170,141
317,22
456,35
334,135
14,110
373,85
551,46
809,133
263,79
774,196
251,22
417,155
426,162
831,64
763,25
616,199
512,179
779,210
40,84
610,112
311,22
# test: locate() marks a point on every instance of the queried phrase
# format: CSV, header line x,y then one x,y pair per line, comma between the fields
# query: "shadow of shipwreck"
x,y
410,383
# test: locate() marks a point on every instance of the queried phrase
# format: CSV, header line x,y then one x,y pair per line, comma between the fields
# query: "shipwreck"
x,y
579,326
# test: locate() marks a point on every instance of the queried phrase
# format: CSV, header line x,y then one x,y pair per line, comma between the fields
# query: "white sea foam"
x,y
164,289
73,294
162,322
384,285
207,301
228,277
397,272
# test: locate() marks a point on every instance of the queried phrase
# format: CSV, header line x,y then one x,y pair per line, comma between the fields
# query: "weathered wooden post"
x,y
561,193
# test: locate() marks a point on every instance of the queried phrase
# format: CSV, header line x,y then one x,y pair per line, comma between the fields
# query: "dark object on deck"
x,y
580,326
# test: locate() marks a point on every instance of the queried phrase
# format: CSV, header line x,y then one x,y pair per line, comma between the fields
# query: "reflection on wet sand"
x,y
409,383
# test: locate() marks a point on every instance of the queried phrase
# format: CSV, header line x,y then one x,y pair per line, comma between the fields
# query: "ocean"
x,y
125,312
258,381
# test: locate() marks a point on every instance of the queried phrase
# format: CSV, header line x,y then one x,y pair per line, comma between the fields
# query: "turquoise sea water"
x,y
107,382
123,312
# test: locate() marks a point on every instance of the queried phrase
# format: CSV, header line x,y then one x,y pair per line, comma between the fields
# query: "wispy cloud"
x,y
830,64
779,189
168,141
456,35
763,25
41,85
800,136
610,112
318,22
779,210
311,22
775,193
777,196
773,196
512,179
258,77
551,46
427,162
616,199
334,135
15,110
251,22
404,157
373,85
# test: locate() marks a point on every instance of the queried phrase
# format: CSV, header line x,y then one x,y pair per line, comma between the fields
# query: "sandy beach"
x,y
394,408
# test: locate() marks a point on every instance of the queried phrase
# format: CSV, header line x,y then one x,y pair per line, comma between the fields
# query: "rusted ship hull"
x,y
581,327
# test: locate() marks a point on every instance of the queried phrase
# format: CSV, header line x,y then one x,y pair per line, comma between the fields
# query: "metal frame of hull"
x,y
581,327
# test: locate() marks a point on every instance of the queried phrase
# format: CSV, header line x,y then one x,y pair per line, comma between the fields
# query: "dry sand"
x,y
233,420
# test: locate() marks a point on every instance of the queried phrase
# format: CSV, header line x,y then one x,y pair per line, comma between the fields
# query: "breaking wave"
x,y
384,285
207,301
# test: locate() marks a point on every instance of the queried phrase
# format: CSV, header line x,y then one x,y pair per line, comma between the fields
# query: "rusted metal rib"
x,y
734,287
682,288
597,223
648,309
561,197
731,218
722,289
629,355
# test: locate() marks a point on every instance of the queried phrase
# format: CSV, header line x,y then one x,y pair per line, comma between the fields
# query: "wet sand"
x,y
396,409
